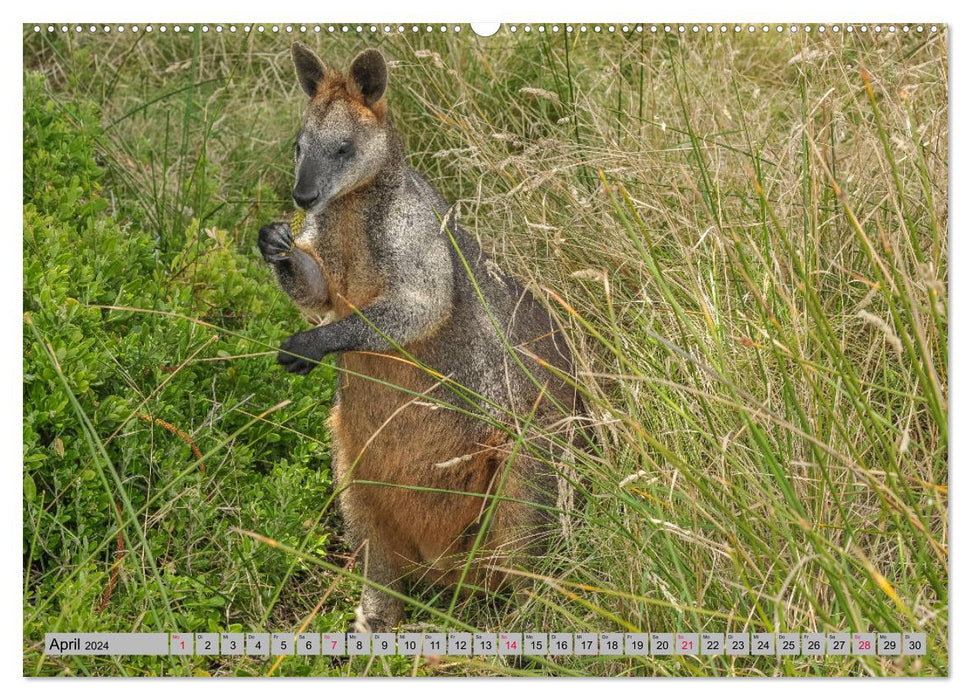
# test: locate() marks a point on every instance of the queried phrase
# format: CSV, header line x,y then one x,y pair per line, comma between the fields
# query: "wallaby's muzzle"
x,y
305,198
308,190
318,180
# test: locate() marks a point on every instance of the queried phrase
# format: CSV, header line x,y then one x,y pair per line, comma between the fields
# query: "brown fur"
x,y
351,276
426,531
333,87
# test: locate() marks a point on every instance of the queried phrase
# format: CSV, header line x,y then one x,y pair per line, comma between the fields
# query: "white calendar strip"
x,y
554,644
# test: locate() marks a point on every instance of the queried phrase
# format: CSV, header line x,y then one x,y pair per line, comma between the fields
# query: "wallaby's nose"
x,y
305,199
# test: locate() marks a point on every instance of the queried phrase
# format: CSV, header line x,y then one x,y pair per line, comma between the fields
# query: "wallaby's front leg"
x,y
415,301
297,272
389,322
394,320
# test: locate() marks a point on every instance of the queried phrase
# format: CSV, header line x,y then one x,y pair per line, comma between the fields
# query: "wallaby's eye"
x,y
296,149
346,149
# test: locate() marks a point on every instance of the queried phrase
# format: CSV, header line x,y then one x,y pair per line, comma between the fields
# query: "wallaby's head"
x,y
346,138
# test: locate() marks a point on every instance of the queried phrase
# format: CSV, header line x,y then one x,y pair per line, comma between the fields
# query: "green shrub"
x,y
162,359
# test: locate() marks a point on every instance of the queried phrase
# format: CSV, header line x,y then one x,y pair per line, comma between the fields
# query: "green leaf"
x,y
30,488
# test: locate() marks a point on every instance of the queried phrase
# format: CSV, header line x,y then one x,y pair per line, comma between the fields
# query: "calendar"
x,y
488,644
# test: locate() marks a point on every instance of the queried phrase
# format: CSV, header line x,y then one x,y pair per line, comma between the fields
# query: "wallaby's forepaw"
x,y
301,352
275,241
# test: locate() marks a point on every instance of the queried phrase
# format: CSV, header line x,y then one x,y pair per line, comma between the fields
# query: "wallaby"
x,y
449,370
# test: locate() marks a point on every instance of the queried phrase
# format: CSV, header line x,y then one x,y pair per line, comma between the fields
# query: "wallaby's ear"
x,y
310,69
369,74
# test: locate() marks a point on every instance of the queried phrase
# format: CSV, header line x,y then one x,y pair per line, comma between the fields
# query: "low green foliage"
x,y
143,341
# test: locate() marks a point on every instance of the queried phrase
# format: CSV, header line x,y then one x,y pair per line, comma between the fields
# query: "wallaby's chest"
x,y
340,241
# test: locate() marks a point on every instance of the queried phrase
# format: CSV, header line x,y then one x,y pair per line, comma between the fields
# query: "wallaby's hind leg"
x,y
382,611
522,524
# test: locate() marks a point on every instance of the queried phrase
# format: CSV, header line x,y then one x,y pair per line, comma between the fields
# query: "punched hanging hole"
x,y
485,28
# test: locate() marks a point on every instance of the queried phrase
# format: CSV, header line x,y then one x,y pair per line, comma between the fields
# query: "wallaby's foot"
x,y
381,610
380,624
275,241
301,352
